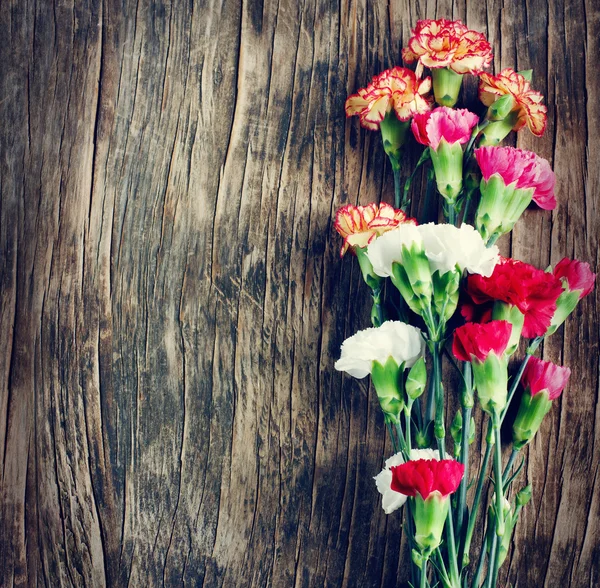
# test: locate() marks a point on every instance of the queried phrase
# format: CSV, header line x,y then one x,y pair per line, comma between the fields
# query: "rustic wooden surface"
x,y
172,299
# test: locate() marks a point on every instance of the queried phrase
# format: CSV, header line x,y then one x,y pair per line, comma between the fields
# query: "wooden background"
x,y
173,299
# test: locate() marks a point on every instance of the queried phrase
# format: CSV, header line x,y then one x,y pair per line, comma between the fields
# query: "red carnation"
x,y
578,275
480,340
533,291
544,375
426,476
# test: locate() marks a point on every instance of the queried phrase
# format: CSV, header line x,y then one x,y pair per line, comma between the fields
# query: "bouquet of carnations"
x,y
443,291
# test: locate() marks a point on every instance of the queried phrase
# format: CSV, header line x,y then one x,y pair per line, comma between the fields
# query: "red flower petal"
x,y
426,476
479,340
544,375
577,274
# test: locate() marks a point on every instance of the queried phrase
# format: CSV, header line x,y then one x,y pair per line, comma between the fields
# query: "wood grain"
x,y
172,298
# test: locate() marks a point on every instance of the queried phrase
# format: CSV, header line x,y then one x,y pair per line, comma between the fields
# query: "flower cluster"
x,y
433,284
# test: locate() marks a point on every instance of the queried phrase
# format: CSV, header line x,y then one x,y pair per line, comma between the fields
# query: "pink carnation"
x,y
578,275
525,168
542,375
453,125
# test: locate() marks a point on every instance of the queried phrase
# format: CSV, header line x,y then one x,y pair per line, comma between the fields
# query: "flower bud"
x,y
369,276
496,131
501,108
416,380
524,496
446,86
532,411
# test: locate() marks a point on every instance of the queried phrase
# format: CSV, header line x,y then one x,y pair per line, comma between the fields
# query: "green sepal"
x,y
394,134
501,108
491,381
445,294
526,73
416,379
418,271
402,284
447,162
565,305
386,381
472,431
524,496
506,312
532,411
430,516
446,86
496,131
500,206
369,276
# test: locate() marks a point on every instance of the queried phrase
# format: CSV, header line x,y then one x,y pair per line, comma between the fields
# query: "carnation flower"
x,y
402,342
540,375
397,89
426,476
543,382
392,500
445,43
524,169
446,247
533,291
479,340
484,346
576,276
444,130
451,125
528,108
359,225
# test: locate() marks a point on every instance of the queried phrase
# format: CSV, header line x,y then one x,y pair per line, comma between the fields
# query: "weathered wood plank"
x,y
173,298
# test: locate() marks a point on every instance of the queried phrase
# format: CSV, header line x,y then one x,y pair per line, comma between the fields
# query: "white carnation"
x,y
392,339
447,246
392,500
387,249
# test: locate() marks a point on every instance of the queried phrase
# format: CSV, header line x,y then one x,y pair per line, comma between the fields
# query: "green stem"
x,y
452,559
515,383
492,559
476,502
498,477
411,543
442,567
439,430
480,562
464,459
391,434
397,187
407,431
376,294
509,465
423,583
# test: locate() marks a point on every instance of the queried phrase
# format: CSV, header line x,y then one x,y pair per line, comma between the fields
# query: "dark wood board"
x,y
172,298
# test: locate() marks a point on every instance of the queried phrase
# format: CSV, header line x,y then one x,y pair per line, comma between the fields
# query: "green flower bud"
x,y
446,86
456,428
524,496
416,379
532,411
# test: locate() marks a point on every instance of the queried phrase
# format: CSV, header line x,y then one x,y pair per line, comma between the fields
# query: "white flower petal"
x,y
395,339
387,249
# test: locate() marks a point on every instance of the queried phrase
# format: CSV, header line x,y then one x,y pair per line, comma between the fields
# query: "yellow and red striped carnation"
x,y
360,225
447,43
528,102
397,89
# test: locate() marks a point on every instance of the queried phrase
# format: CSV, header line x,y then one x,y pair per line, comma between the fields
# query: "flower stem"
x,y
391,434
498,476
452,560
407,431
492,559
423,583
509,465
464,459
397,187
476,501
